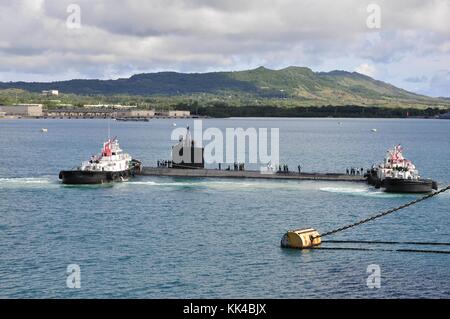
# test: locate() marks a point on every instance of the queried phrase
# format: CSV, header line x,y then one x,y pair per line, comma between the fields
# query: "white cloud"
x,y
121,37
366,69
440,84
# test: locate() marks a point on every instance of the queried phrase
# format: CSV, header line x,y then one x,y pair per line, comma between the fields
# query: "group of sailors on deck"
x,y
166,164
236,167
355,171
95,159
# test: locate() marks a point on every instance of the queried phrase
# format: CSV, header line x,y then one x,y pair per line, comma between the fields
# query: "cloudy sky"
x,y
43,40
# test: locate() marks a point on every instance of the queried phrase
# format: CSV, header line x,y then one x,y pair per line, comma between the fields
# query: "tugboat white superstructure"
x,y
110,166
399,175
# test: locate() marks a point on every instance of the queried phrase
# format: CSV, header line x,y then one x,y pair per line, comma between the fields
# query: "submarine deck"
x,y
215,173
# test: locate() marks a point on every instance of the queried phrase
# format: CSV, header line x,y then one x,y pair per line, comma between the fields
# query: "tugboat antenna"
x,y
109,128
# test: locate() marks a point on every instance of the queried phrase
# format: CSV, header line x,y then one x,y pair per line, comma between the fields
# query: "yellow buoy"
x,y
301,238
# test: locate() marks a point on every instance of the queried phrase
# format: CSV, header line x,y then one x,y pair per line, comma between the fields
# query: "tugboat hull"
x,y
79,177
396,185
89,177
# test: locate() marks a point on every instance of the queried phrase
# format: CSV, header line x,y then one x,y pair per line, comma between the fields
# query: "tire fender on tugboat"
x,y
110,176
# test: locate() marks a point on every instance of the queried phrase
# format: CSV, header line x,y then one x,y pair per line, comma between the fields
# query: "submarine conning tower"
x,y
186,155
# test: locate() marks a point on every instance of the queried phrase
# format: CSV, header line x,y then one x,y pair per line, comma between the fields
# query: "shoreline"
x,y
200,117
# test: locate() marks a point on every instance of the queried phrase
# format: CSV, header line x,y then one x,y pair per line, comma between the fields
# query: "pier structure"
x,y
123,114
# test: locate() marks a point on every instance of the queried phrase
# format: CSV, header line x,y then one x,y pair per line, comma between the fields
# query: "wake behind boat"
x,y
111,165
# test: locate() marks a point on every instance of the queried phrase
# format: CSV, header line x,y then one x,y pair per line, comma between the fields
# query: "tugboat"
x,y
111,165
399,175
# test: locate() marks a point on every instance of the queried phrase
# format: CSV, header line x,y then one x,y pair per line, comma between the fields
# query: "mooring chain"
x,y
390,211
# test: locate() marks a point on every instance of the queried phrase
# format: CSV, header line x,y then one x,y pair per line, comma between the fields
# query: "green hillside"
x,y
289,87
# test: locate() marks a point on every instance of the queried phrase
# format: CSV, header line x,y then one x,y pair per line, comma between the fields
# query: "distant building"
x,y
50,93
175,113
142,113
95,106
98,113
31,110
136,113
109,106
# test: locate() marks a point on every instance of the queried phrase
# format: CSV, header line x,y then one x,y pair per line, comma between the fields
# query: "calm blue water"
x,y
201,238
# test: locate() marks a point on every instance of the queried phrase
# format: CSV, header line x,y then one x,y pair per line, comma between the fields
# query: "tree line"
x,y
221,110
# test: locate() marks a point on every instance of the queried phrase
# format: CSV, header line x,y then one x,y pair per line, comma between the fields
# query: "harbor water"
x,y
156,237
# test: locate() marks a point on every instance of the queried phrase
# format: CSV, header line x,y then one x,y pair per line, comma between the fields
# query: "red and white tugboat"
x,y
110,166
399,175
